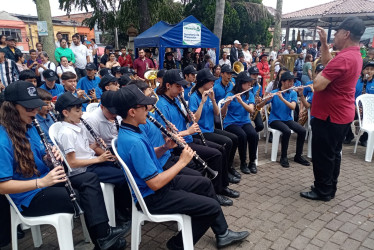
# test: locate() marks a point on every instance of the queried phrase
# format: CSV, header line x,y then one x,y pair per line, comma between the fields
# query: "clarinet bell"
x,y
210,173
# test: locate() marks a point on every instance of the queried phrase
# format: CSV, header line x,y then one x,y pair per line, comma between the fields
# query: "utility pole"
x,y
278,25
44,14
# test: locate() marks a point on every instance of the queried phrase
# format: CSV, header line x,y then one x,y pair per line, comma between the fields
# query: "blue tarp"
x,y
163,35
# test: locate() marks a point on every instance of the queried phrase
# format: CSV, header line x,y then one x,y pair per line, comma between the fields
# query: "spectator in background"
x,y
217,71
304,51
148,54
178,57
89,48
247,54
105,58
207,61
224,60
46,64
8,71
20,62
307,69
258,49
298,48
234,52
288,50
81,56
125,60
299,64
10,50
313,51
94,51
64,51
292,52
32,63
29,76
212,53
142,64
274,53
39,50
242,60
186,60
64,67
2,41
131,54
58,37
169,61
112,62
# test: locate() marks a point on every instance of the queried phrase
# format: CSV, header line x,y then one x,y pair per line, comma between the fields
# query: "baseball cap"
x,y
91,66
236,42
369,63
127,70
108,78
298,42
319,67
116,69
161,73
204,76
66,100
287,76
50,75
174,76
23,93
263,55
226,69
124,80
10,38
130,96
190,69
353,24
253,70
244,77
103,72
107,101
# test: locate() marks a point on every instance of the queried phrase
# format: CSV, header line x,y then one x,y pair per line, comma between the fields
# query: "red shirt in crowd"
x,y
125,61
337,100
263,67
141,66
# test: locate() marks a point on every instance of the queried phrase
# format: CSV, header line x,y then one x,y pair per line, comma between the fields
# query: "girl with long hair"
x,y
2,41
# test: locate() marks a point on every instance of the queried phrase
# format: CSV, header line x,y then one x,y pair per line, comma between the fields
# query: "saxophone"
x,y
257,101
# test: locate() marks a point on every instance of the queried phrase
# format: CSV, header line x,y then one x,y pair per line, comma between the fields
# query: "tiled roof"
x,y
76,17
336,7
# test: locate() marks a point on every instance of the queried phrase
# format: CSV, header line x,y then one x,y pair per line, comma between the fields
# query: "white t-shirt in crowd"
x,y
80,52
222,62
48,65
247,56
90,50
273,55
61,69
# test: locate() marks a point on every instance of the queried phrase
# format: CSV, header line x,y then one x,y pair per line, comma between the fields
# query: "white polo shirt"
x,y
104,128
80,52
75,138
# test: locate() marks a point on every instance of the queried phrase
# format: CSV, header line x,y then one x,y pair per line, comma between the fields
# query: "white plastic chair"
x,y
62,222
309,129
366,123
276,136
138,217
92,106
107,188
220,107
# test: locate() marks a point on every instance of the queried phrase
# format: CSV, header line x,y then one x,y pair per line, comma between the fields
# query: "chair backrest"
x,y
309,117
220,107
367,102
53,131
130,180
92,106
266,107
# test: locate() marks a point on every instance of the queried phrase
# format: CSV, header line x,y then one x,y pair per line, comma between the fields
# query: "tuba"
x,y
150,77
238,67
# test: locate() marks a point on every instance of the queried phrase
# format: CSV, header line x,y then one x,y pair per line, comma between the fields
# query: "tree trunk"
x,y
44,14
218,20
278,23
145,18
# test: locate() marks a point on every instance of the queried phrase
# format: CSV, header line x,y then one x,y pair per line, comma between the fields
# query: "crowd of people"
x,y
209,108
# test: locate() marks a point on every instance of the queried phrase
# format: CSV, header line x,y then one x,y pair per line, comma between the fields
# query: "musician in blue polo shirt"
x,y
224,84
50,84
189,73
90,82
280,118
258,94
237,108
165,192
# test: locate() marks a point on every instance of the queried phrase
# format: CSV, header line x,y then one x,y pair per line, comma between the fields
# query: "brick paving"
x,y
272,210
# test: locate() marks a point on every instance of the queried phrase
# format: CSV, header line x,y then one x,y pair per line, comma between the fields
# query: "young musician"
x,y
170,106
282,104
237,121
225,84
50,84
165,192
29,76
189,73
90,82
202,103
257,93
36,189
44,118
109,82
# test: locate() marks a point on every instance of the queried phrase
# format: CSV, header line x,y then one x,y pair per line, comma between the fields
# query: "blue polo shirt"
x,y
297,83
206,121
171,113
279,110
156,138
220,91
308,93
187,90
236,113
45,124
88,84
360,85
255,88
137,152
57,90
8,164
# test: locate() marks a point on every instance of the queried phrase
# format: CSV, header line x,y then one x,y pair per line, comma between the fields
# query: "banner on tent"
x,y
192,34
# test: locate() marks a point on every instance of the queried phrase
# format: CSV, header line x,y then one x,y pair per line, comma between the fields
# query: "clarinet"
x,y
190,115
210,172
52,116
77,209
167,122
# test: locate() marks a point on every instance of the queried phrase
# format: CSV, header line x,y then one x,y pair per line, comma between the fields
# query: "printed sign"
x,y
42,28
192,34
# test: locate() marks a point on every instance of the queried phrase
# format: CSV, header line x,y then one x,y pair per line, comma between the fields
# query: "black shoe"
x,y
230,237
252,167
314,196
20,232
363,143
284,162
223,200
171,245
230,193
235,173
314,190
233,179
119,245
349,139
301,160
244,168
111,239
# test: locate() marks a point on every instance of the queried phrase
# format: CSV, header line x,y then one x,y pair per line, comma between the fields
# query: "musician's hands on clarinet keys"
x,y
187,155
56,175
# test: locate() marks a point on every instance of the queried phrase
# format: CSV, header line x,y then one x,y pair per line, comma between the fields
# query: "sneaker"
x,y
301,160
284,162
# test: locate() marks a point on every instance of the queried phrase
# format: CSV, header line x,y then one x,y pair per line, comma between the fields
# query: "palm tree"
x,y
277,26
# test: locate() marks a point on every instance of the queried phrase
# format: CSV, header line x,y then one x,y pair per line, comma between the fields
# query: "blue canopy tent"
x,y
188,33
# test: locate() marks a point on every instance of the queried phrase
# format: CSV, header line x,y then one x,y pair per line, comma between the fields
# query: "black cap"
x,y
244,77
369,63
50,75
130,96
107,101
91,66
108,78
204,76
174,76
124,80
287,76
319,67
161,73
253,70
263,55
103,72
190,69
23,93
10,38
116,69
127,70
353,24
109,47
66,100
226,69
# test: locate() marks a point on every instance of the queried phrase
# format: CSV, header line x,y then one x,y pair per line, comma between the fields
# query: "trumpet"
x,y
85,96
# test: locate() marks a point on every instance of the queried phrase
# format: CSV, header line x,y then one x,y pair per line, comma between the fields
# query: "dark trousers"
x,y
193,196
4,221
246,136
55,199
80,73
187,170
285,127
259,125
296,113
227,140
326,146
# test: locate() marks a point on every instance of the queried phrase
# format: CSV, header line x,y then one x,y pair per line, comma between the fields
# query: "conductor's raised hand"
x,y
322,34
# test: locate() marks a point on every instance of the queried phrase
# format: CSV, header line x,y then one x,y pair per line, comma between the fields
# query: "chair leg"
x,y
369,147
136,230
14,223
274,146
187,233
310,145
266,141
357,138
108,191
36,236
64,234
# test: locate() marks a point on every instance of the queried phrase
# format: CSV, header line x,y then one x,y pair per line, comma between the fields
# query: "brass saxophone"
x,y
257,101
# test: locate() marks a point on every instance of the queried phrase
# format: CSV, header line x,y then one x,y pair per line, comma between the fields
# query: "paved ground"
x,y
277,217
